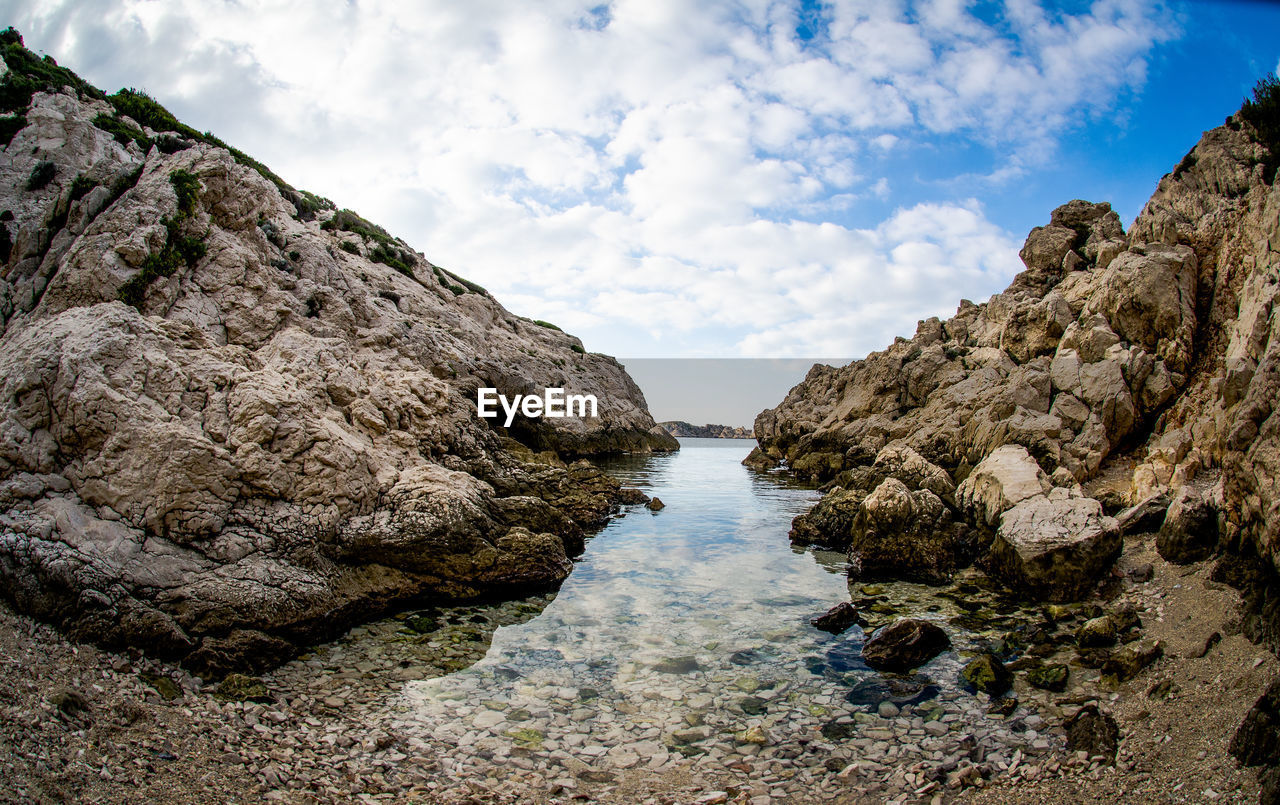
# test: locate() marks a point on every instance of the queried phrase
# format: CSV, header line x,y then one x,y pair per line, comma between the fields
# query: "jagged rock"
x,y
632,496
259,444
898,533
1008,476
1190,529
655,504
1256,741
914,470
1094,732
1147,515
837,619
905,644
1054,549
830,521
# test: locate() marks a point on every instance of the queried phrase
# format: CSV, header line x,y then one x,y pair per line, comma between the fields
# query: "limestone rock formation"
x,y
1154,344
234,419
1133,369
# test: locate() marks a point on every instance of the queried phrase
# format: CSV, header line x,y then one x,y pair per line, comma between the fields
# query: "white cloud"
x,y
648,171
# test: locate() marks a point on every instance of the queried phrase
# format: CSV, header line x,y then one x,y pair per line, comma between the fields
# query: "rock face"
x,y
234,419
1155,343
1155,347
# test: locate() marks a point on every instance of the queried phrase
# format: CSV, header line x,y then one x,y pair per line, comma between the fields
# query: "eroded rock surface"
x,y
234,419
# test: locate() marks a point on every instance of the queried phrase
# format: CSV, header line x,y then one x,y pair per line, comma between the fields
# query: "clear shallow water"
x,y
681,636
678,653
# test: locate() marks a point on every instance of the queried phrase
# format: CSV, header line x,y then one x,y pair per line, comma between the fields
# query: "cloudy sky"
x,y
677,178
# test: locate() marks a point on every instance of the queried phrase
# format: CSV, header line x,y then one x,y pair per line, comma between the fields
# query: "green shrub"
x,y
547,324
122,131
187,187
1263,113
179,249
578,349
451,281
9,126
29,74
41,175
395,258
349,247
81,187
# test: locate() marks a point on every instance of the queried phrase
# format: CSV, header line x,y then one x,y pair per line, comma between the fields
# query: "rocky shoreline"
x,y
235,419
686,430
1124,383
90,725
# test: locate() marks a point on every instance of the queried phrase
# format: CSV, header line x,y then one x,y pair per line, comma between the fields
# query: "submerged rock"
x,y
904,645
837,619
987,674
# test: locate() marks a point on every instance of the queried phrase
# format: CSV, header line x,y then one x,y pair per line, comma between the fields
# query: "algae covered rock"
x,y
986,673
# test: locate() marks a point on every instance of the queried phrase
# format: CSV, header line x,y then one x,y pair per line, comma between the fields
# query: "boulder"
x,y
1256,741
1004,478
830,522
905,644
1056,550
1097,633
1189,532
987,674
837,619
1094,732
1146,515
1128,661
1049,677
907,535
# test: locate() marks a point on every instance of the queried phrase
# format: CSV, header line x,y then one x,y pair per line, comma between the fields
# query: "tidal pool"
x,y
681,644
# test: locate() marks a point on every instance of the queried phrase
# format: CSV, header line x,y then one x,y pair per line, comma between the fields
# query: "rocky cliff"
x,y
1127,366
234,419
1125,382
686,430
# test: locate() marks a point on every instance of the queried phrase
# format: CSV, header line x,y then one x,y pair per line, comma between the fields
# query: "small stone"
x,y
656,504
888,710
